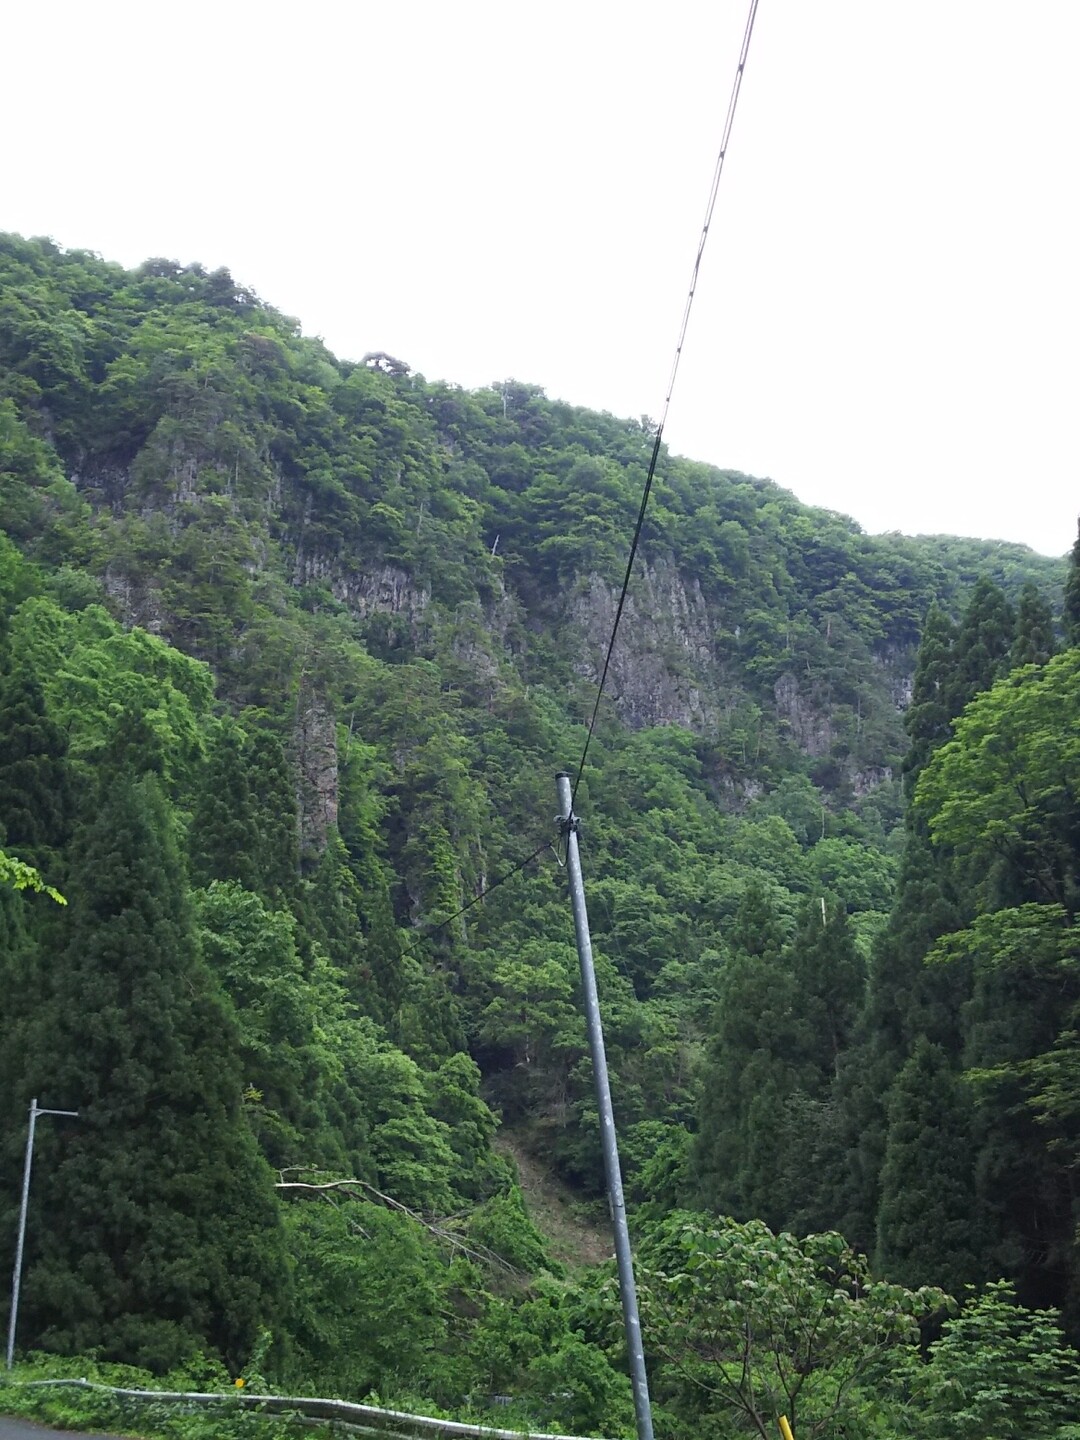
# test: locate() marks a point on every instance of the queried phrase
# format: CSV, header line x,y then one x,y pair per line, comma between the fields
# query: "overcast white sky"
x,y
889,316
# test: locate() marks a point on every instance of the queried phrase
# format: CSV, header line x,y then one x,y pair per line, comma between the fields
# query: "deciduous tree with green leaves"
x,y
997,1369
751,1325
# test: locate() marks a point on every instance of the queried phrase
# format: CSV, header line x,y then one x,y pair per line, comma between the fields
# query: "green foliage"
x,y
35,1394
783,1018
1001,793
35,788
366,1299
1034,641
863,878
124,699
997,1370
156,1227
223,822
1070,609
502,1226
283,1016
752,1325
289,651
927,1219
21,876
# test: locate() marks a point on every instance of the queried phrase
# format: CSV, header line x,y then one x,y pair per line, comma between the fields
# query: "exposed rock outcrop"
x,y
383,589
809,727
664,667
315,746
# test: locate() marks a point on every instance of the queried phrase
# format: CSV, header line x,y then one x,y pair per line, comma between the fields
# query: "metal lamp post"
x,y
16,1279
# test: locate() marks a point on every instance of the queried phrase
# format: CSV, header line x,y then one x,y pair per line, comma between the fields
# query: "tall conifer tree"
x,y
1033,643
35,790
928,716
927,1230
156,1226
1070,610
272,785
752,1070
830,981
981,653
223,832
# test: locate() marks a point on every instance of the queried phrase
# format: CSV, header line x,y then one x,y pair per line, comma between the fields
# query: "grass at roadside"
x,y
69,1408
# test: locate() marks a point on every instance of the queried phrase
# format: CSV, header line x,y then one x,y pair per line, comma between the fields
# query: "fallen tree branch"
x,y
351,1189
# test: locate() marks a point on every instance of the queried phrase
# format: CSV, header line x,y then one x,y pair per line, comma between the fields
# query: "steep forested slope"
x,y
291,650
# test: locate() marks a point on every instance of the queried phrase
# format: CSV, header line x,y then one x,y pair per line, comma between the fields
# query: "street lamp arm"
x,y
16,1279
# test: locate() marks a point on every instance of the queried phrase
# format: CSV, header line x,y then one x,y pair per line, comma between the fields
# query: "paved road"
x,y
24,1430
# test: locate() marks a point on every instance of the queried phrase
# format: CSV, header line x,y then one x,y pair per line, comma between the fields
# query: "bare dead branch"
x,y
354,1189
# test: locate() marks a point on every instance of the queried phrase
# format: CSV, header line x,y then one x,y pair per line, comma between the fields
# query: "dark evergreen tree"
x,y
1023,998
157,1230
36,802
844,1151
35,788
385,966
133,749
984,639
334,904
903,1001
245,823
223,841
830,985
1070,609
927,719
386,958
20,981
751,1071
756,930
1033,642
272,786
927,1226
953,665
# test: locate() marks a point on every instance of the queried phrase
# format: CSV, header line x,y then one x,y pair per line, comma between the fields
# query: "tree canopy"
x,y
291,649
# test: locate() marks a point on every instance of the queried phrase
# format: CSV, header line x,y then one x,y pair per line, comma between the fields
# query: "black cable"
x,y
619,608
647,490
725,140
499,880
710,207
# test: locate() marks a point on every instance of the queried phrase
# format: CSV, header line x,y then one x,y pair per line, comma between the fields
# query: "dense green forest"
x,y
290,651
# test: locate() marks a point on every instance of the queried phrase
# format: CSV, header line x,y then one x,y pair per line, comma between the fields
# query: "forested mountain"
x,y
290,651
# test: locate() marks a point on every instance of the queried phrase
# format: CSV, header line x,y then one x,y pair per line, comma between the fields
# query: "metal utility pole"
x,y
623,1256
16,1279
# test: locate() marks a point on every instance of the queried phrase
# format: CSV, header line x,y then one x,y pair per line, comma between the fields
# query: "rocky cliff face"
x,y
378,590
664,669
315,747
673,665
677,661
810,728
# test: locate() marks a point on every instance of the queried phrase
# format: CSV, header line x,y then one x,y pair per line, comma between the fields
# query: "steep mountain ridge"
x,y
253,464
319,634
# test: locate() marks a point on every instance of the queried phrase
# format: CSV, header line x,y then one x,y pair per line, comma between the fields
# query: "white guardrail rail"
x,y
369,1418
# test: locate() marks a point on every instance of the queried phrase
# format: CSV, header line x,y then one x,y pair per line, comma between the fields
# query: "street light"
x,y
16,1279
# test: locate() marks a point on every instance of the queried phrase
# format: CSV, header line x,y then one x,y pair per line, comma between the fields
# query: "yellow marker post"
x,y
785,1428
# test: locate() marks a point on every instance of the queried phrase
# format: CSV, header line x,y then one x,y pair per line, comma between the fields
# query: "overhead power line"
x,y
499,880
733,103
729,120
